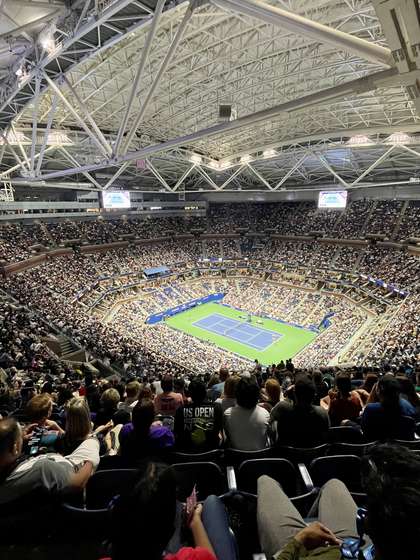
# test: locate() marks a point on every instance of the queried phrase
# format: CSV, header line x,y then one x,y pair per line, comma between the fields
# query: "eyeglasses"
x,y
353,548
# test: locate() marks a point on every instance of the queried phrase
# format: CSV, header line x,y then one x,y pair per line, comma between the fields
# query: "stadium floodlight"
x,y
360,140
269,153
195,158
46,38
399,138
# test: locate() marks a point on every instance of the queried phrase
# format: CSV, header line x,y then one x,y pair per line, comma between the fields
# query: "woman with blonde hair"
x,y
78,426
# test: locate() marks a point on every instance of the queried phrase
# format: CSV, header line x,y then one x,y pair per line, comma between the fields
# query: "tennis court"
x,y
264,339
251,335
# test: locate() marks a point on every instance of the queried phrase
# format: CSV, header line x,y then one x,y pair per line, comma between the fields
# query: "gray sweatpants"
x,y
279,520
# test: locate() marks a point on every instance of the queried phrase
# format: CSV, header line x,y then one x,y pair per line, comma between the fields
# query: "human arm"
x,y
53,426
313,536
79,479
199,532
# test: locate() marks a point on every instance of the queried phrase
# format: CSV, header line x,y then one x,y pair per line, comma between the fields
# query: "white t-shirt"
x,y
247,429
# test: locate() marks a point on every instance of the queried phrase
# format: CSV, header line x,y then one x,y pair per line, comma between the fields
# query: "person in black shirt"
x,y
199,423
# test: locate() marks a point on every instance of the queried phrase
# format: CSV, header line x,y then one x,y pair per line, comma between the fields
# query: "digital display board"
x,y
332,199
116,199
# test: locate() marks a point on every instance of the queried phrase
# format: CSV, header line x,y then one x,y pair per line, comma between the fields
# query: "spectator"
x,y
365,390
408,392
391,478
321,387
214,380
50,473
167,402
151,505
270,395
132,391
345,404
390,418
78,426
228,397
143,438
38,411
246,424
301,424
108,407
199,423
217,389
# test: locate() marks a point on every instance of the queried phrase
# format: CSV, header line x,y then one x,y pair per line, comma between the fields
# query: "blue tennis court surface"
x,y
251,335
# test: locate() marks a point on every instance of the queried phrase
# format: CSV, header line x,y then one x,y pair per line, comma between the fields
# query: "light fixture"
x,y
195,158
246,158
398,138
269,153
46,38
359,140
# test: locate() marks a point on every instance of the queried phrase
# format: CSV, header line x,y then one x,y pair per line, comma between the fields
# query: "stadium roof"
x,y
127,93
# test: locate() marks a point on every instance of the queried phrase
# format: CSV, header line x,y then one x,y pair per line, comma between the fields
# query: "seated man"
x,y
301,424
52,473
391,478
246,424
198,423
390,417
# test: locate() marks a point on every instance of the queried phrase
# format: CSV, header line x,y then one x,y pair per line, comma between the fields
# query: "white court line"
x,y
248,341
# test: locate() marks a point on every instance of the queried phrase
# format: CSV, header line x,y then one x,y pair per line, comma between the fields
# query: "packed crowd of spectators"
x,y
361,217
58,426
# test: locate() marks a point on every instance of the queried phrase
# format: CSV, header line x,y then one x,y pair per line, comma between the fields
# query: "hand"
x,y
315,535
196,516
51,425
104,428
27,433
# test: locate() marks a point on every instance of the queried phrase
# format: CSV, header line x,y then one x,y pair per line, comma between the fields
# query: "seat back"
x,y
23,520
207,477
358,449
343,467
411,444
281,470
104,485
235,457
302,454
213,456
345,434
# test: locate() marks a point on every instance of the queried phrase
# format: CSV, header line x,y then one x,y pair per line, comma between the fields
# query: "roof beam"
x,y
360,85
76,115
139,74
301,25
85,173
162,69
46,133
116,175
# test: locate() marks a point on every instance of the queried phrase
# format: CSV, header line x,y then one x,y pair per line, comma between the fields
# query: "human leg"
x,y
216,523
337,509
278,519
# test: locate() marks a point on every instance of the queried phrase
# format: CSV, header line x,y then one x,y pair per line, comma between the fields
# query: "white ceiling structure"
x,y
126,93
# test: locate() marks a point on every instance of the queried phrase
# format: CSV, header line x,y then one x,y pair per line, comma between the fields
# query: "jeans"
x,y
279,520
216,523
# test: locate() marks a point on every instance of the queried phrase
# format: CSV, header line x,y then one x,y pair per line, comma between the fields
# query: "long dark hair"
x,y
149,509
143,416
389,395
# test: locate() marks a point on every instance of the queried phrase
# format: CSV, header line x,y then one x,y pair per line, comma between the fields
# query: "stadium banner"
x,y
157,317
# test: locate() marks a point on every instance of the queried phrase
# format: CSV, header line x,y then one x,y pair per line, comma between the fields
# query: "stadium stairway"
x,y
399,220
